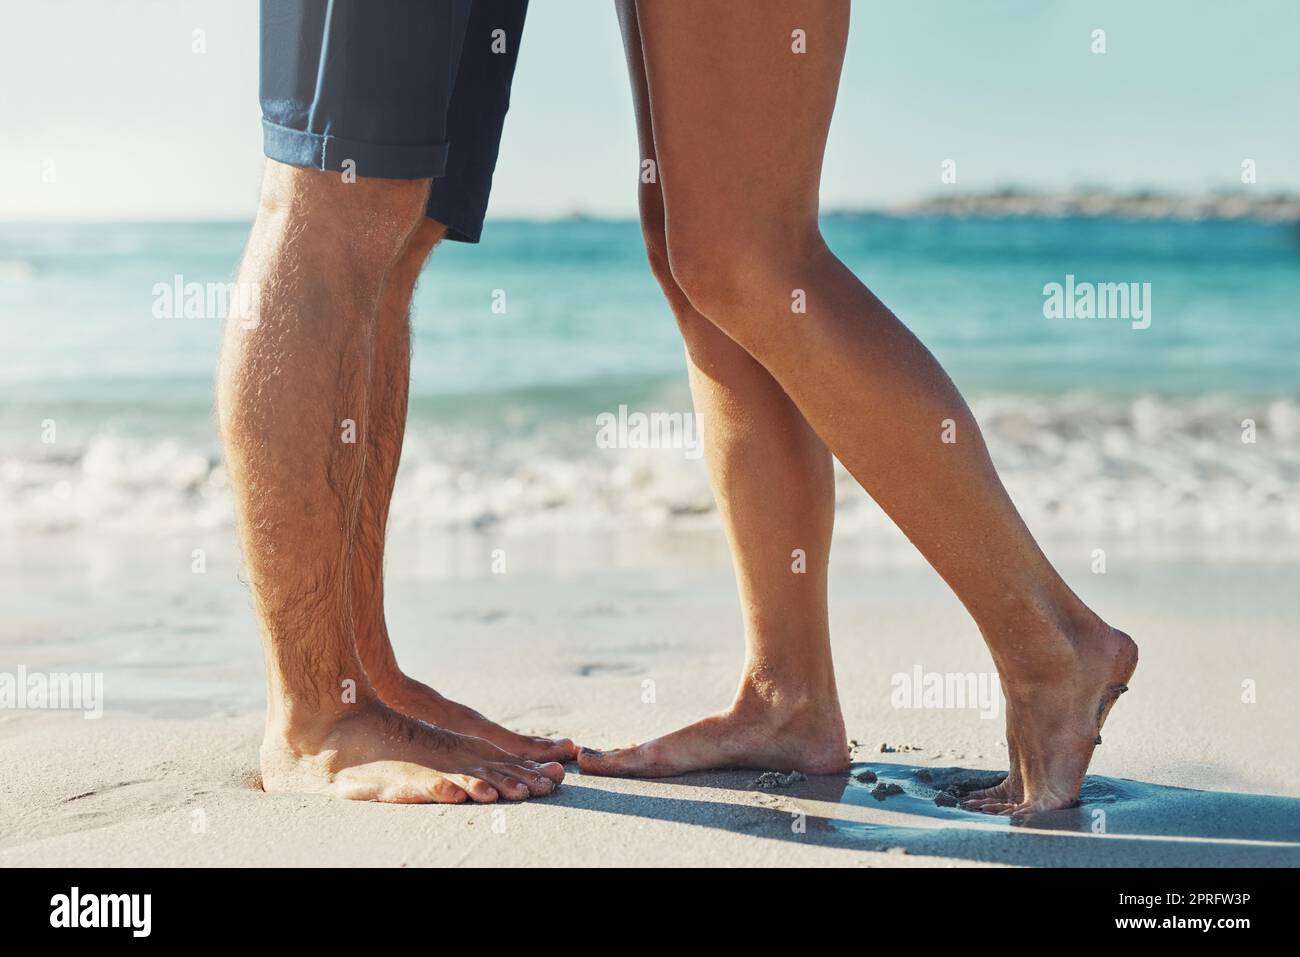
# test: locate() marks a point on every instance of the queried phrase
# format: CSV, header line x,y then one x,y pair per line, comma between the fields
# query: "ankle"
x,y
309,716
383,673
1030,623
1045,648
778,698
389,681
377,658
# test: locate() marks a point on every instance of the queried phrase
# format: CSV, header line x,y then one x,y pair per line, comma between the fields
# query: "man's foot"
x,y
754,734
373,753
420,701
1054,726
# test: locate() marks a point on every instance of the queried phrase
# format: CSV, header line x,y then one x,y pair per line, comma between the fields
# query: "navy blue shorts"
x,y
396,89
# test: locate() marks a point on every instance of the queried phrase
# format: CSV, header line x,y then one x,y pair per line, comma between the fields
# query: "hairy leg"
x,y
740,116
292,394
389,391
773,482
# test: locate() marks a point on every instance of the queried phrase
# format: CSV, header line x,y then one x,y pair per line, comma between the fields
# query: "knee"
x,y
656,251
426,235
368,221
743,280
698,333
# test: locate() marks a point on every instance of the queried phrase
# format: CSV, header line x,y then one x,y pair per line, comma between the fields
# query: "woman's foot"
x,y
1054,723
373,753
754,732
1011,789
418,700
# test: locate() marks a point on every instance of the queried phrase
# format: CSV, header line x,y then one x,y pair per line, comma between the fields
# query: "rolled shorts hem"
x,y
324,151
461,206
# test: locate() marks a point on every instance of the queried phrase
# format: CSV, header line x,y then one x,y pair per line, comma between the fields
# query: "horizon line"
x,y
931,205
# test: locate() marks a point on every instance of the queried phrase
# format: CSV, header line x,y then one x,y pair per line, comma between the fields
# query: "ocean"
x,y
1180,424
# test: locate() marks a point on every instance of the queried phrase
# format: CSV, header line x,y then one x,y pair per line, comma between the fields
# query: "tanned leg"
x,y
390,387
786,713
740,119
292,401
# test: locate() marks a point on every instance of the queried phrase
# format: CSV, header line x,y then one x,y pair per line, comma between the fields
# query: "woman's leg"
x,y
759,450
740,119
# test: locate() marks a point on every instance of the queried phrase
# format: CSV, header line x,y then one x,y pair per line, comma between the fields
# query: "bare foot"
x,y
748,735
373,753
1054,725
420,701
1011,789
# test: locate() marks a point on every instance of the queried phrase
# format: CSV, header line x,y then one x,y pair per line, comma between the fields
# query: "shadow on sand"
x,y
1119,823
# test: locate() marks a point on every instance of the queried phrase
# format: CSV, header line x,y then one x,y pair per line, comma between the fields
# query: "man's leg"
x,y
757,445
390,387
292,401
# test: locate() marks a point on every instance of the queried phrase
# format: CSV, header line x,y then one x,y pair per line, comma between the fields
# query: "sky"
x,y
110,97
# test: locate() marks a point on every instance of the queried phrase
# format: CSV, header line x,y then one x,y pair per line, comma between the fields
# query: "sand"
x,y
617,642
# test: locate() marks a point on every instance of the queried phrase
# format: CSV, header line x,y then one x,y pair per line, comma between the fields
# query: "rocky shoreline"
x,y
1097,204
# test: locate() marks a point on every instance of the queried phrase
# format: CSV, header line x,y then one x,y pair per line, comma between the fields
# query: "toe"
x,y
620,762
551,770
433,790
1024,812
479,790
591,761
511,788
548,750
536,783
996,807
540,749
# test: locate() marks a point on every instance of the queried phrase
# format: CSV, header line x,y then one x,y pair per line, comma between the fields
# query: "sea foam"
x,y
1213,467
